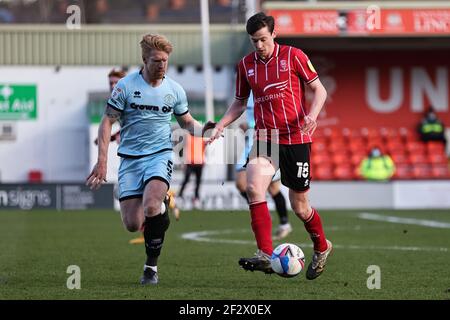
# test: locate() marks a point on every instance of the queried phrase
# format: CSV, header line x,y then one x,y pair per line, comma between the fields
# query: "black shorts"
x,y
293,161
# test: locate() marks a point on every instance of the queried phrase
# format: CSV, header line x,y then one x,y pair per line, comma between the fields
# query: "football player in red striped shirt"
x,y
277,75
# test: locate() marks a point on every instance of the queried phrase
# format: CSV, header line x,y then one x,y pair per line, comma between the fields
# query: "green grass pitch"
x,y
36,248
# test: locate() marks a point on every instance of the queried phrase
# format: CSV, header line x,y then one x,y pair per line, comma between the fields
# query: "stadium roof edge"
x,y
29,44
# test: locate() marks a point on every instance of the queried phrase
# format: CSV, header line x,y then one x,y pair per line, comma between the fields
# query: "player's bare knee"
x,y
253,191
301,208
132,225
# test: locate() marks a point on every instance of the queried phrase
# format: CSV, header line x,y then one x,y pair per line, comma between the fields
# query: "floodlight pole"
x,y
207,68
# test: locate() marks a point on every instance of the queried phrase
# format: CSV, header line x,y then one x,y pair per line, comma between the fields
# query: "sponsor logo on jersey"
x,y
137,94
251,72
278,85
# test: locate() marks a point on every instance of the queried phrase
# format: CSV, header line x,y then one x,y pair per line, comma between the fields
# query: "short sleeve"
x,y
242,85
181,105
118,98
303,66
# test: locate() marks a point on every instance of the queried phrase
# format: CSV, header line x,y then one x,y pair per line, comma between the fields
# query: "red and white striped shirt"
x,y
278,86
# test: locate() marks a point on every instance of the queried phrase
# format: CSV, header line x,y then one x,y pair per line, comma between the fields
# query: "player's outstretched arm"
x,y
98,173
320,95
186,121
235,110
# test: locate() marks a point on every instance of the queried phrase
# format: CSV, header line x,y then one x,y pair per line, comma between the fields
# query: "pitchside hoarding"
x,y
70,196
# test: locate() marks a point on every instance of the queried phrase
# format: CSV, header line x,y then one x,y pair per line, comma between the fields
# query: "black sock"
x,y
244,194
280,204
154,231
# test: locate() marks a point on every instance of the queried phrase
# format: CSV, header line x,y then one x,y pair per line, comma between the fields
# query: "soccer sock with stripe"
x,y
262,226
314,227
280,204
154,231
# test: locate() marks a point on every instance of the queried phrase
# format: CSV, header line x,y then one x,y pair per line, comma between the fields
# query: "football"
x,y
287,260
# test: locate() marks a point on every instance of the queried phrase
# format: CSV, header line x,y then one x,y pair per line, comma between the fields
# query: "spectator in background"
x,y
431,128
194,160
221,11
6,15
178,11
377,166
152,8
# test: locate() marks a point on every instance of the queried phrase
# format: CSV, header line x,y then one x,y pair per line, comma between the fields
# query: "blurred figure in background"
x,y
377,166
431,128
194,160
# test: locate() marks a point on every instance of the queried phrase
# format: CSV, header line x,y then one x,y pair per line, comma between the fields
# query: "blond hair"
x,y
151,42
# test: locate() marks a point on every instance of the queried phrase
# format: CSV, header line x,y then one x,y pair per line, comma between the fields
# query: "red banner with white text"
x,y
386,88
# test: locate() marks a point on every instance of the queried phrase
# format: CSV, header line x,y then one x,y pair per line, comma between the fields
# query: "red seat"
x,y
357,158
440,171
352,134
323,172
408,134
402,172
395,146
320,158
344,172
337,146
371,133
415,147
421,171
435,147
390,133
340,158
400,158
357,146
418,158
318,146
333,133
438,158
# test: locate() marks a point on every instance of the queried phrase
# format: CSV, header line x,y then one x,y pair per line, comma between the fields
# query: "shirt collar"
x,y
275,53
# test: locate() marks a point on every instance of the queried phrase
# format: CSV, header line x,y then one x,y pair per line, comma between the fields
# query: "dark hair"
x,y
259,21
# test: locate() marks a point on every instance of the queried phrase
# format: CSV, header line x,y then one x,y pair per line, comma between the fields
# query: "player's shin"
x,y
154,231
314,227
262,226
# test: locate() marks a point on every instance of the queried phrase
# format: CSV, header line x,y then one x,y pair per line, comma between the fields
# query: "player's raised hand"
x,y
215,131
97,176
309,125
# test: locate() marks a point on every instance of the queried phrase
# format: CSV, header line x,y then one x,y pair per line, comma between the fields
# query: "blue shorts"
x,y
135,173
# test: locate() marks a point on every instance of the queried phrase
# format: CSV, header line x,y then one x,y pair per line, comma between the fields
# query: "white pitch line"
x,y
205,236
394,219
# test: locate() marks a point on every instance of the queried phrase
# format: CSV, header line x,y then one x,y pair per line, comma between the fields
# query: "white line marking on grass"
x,y
393,219
205,236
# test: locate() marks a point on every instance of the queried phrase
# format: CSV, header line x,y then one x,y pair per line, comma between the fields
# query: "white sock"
x,y
154,268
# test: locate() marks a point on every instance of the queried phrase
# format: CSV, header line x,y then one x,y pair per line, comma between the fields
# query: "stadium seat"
x,y
400,158
344,172
440,171
403,172
321,158
323,172
337,146
353,133
371,133
357,146
390,133
421,171
408,134
318,146
415,147
435,147
340,158
395,146
437,158
418,158
333,133
356,158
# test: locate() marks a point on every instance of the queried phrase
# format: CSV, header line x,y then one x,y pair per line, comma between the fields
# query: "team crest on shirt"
x,y
169,100
251,72
283,66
